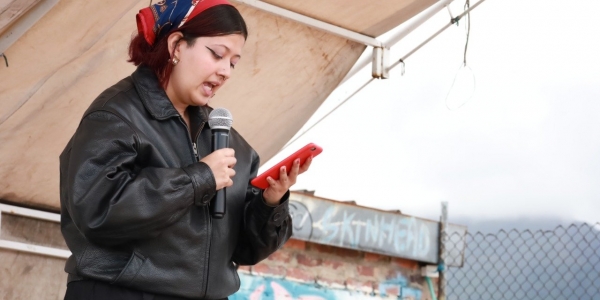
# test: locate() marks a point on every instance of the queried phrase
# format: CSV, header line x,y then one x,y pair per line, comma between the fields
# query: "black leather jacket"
x,y
135,199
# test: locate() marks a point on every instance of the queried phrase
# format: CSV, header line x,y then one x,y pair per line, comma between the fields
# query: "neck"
x,y
179,105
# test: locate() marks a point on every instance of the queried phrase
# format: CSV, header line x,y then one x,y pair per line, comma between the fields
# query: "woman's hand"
x,y
278,188
221,163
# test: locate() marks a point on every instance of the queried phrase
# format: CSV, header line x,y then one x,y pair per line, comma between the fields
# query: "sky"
x,y
525,145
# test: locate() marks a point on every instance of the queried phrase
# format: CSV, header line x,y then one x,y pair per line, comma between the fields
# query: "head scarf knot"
x,y
160,18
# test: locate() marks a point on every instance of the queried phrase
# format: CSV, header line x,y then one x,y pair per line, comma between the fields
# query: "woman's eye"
x,y
232,66
217,56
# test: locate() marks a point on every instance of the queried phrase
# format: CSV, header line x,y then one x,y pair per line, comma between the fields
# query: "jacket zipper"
x,y
194,150
196,140
206,209
209,222
206,258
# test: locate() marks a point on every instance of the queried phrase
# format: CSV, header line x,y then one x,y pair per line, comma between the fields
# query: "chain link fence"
x,y
563,263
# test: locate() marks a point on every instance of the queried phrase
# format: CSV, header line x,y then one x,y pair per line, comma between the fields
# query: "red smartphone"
x,y
303,154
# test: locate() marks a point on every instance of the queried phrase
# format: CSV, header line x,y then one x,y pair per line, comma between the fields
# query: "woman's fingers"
x,y
306,165
287,180
283,176
294,172
277,188
221,163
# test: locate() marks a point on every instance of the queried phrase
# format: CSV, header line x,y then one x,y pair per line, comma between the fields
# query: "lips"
x,y
208,87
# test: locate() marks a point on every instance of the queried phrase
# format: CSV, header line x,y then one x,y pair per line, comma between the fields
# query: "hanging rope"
x,y
5,59
401,61
467,8
455,20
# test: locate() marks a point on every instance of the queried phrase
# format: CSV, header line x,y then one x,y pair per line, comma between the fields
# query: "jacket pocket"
x,y
131,269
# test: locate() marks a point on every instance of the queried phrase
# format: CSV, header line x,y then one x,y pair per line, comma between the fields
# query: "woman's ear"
x,y
173,43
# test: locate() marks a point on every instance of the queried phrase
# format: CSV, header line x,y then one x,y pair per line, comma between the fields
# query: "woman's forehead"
x,y
232,42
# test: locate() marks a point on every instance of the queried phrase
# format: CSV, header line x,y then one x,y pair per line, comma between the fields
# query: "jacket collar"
x,y
155,98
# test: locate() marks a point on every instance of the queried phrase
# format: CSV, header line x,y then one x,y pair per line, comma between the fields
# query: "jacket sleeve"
x,y
111,198
265,228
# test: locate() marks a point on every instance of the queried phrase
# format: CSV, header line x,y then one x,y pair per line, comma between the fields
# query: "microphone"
x,y
220,121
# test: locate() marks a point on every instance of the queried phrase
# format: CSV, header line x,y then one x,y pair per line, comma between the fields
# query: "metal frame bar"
x,y
422,18
371,79
35,249
401,60
14,31
288,14
351,35
443,238
29,248
31,213
426,15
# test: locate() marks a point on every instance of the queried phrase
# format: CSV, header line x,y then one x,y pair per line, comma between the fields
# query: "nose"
x,y
224,72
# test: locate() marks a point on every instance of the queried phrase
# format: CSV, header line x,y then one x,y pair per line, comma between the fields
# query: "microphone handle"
x,y
220,140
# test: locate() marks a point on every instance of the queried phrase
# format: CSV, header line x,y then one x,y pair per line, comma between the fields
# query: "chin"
x,y
200,101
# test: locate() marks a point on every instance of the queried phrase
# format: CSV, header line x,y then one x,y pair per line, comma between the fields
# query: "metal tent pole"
x,y
31,248
442,252
428,14
390,68
454,20
343,32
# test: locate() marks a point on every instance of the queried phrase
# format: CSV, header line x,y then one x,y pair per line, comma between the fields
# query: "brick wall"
x,y
302,269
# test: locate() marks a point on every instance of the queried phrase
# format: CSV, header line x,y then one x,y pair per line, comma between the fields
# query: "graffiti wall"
x,y
360,228
267,288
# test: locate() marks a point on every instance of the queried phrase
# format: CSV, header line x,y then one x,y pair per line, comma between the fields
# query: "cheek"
x,y
197,70
198,67
183,78
188,76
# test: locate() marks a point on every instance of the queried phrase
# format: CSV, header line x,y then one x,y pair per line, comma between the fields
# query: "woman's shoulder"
x,y
116,99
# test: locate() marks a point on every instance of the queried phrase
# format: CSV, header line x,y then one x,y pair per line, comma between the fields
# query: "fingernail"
x,y
297,161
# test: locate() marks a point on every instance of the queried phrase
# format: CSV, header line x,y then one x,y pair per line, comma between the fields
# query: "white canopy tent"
x,y
62,54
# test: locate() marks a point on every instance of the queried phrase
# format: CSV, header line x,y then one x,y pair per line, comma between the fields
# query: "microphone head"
x,y
220,118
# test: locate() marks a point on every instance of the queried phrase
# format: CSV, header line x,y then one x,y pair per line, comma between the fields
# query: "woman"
x,y
138,175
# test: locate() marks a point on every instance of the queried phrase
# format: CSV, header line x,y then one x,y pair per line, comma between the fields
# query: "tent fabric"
x,y
10,11
79,48
372,18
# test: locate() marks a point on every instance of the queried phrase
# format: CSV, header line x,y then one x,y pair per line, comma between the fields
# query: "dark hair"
x,y
215,21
